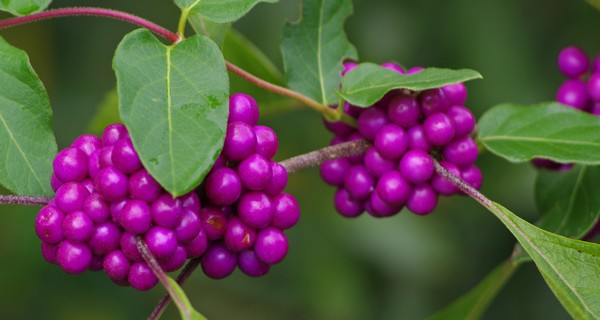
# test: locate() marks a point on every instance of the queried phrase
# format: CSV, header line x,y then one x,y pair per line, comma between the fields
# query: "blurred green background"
x,y
405,267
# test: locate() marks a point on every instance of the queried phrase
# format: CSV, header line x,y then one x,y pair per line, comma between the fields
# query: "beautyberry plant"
x,y
186,174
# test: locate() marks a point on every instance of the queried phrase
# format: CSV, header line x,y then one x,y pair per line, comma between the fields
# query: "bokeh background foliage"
x,y
404,267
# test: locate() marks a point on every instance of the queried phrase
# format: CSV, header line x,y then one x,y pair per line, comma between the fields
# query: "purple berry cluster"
x,y
245,209
105,200
581,90
405,129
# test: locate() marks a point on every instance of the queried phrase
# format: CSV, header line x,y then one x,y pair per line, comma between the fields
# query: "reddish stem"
x,y
24,200
87,11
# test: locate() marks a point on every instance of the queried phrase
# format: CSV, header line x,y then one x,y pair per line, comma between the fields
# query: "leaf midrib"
x,y
535,139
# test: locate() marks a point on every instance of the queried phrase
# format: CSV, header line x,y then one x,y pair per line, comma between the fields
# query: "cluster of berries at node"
x,y
581,90
397,171
105,200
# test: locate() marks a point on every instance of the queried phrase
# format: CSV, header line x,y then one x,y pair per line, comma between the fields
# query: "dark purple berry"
x,y
190,201
218,262
271,245
141,276
462,119
243,108
472,175
455,93
417,139
593,86
223,186
116,265
71,196
124,157
72,257
175,261
166,211
128,244
113,133
376,164
238,236
573,93
441,185
371,121
105,157
462,152
255,172
197,246
438,129
88,143
112,184
214,223
338,128
391,141
77,226
286,211
240,141
135,217
188,226
334,171
572,62
161,242
393,188
346,205
416,166
55,183
379,208
48,225
423,200
142,186
49,252
105,238
255,209
94,164
266,141
70,164
359,182
251,265
433,101
278,180
404,111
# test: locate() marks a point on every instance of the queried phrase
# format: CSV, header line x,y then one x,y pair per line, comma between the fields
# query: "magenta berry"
x,y
346,205
243,108
251,265
404,111
218,262
113,133
105,238
116,265
266,141
112,184
271,245
71,164
391,141
188,227
334,171
48,225
456,94
124,157
573,62
223,186
240,141
238,236
71,196
166,211
255,209
439,129
416,166
73,257
161,242
255,172
135,217
77,227
141,276
423,200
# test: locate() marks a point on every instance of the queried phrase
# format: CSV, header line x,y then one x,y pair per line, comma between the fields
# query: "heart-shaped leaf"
x,y
174,101
220,11
23,7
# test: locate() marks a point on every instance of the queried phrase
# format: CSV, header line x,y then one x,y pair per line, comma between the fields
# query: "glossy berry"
x,y
462,152
188,227
141,276
472,175
48,225
240,141
49,252
213,222
266,141
371,121
128,244
255,209
243,108
161,242
441,185
251,265
572,62
142,186
71,196
433,101
255,172
393,188
593,86
111,184
73,257
271,245
573,93
456,94
77,226
462,119
218,262
238,236
334,171
439,129
197,246
70,164
376,164
391,141
379,208
124,157
135,217
166,211
88,143
116,265
105,238
359,182
416,166
423,200
278,180
346,205
223,186
404,111
113,133
286,211
417,139
175,261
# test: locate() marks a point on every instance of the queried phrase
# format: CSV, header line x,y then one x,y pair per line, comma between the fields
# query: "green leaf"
x,y
23,7
570,267
107,113
213,30
474,303
27,143
568,201
314,49
548,130
594,3
186,310
174,101
220,11
368,83
244,54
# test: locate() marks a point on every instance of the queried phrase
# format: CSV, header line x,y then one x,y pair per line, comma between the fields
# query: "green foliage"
x,y
368,83
594,3
186,310
244,54
548,130
314,48
213,30
473,304
218,10
27,144
23,7
174,101
570,267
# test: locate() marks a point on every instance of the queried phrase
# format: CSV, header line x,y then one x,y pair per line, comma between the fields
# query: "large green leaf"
x,y
174,101
368,83
213,30
186,310
473,304
548,130
244,54
314,48
570,267
23,7
220,11
27,143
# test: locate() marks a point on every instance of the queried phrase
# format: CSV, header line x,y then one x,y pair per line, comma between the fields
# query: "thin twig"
x,y
24,200
317,157
187,271
462,185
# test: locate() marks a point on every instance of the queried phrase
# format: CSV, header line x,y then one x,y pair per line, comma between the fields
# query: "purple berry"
x,y
188,226
105,238
266,141
593,86
218,262
124,157
175,261
223,186
197,246
572,62
238,236
166,211
286,213
70,164
349,66
190,201
472,175
88,143
376,164
214,223
113,133
141,276
404,111
112,184
359,182
441,185
255,172
379,208
71,196
49,252
88,184
334,171
414,70
416,166
48,225
135,217
572,93
439,129
455,93
393,66
462,152
251,265
128,244
338,128
72,257
423,200
417,139
462,119
105,157
371,121
94,164
278,180
161,242
255,209
433,101
391,141
393,188
96,263
240,141
271,245
116,265
142,186
55,183
243,108
115,210
346,205
77,226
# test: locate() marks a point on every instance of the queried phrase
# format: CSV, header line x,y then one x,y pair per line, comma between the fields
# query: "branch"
x,y
463,185
187,271
88,11
24,200
317,157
